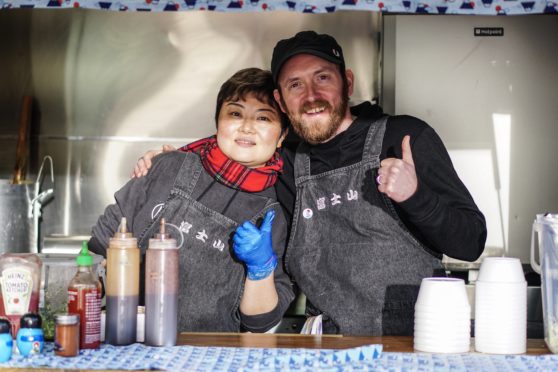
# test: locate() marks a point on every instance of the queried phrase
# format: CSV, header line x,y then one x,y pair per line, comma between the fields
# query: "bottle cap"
x,y
162,240
122,238
66,318
162,234
30,320
5,326
84,258
122,232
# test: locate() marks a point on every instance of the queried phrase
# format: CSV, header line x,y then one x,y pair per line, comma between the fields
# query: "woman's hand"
x,y
253,246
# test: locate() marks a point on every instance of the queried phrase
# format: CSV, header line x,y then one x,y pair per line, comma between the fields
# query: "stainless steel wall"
x,y
108,86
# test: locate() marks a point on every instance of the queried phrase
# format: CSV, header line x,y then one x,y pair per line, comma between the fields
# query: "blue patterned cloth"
x,y
482,7
197,358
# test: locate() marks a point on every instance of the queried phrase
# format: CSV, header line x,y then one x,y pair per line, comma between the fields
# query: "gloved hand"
x,y
253,247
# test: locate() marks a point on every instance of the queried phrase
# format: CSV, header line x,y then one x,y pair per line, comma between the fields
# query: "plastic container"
x,y
161,290
30,338
6,341
546,227
20,280
67,335
122,289
84,298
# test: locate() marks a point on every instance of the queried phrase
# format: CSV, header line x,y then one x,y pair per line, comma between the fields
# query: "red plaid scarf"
x,y
232,174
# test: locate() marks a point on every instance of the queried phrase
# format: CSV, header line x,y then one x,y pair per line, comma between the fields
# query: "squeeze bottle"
x,y
161,290
84,298
122,292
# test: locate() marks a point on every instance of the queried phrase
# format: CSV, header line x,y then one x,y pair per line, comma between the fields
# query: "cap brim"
x,y
303,51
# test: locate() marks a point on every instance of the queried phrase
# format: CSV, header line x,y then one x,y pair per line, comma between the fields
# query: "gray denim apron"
x,y
211,279
349,252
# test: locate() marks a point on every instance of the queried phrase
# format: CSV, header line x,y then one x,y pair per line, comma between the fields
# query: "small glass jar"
x,y
66,335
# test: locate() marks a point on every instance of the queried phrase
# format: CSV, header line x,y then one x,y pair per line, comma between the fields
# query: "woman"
x,y
231,274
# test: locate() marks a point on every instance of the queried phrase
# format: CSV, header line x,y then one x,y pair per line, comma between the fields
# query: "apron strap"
x,y
374,140
188,175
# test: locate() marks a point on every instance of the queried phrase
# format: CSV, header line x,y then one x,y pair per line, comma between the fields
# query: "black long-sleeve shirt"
x,y
441,214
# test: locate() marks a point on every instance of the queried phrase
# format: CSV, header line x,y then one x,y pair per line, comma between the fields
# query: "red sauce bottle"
x,y
84,298
20,282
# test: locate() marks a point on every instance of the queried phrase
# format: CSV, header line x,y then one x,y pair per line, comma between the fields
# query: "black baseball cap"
x,y
306,42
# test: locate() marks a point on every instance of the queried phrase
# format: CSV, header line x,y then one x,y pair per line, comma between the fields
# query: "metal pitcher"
x,y
20,212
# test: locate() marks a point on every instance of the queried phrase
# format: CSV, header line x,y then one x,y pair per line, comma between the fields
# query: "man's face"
x,y
314,98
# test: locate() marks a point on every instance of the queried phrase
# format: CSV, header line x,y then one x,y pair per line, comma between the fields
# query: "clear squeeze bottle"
x,y
84,298
123,257
161,290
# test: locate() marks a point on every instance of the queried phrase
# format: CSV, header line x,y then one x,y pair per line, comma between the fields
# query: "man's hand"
x,y
253,247
397,177
144,163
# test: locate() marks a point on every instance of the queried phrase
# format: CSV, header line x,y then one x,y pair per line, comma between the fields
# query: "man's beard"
x,y
317,131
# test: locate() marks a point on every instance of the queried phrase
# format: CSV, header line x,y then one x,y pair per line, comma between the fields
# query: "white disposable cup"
x,y
442,293
442,324
454,335
435,311
442,316
518,346
501,316
439,347
501,270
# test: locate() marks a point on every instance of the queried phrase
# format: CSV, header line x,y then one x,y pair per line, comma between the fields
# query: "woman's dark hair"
x,y
250,81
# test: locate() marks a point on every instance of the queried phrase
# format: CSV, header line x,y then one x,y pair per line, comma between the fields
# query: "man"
x,y
377,198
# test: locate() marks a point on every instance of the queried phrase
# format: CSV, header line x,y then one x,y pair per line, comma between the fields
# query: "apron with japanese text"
x,y
211,279
350,253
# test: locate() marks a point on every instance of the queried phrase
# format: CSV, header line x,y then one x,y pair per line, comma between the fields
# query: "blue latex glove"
x,y
253,247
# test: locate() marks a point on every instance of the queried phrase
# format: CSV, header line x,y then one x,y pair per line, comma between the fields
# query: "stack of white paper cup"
x,y
442,316
501,307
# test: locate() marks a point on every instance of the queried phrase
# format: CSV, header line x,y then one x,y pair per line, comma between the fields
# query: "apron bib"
x,y
211,280
350,253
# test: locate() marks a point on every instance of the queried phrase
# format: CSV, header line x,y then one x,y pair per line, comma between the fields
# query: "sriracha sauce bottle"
x,y
84,298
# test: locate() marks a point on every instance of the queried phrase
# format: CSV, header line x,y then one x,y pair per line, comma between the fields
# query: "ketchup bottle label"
x,y
17,286
87,303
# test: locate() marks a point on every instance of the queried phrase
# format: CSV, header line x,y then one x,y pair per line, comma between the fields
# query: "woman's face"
x,y
249,131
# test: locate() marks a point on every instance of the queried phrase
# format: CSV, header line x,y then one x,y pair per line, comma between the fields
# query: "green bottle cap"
x,y
84,258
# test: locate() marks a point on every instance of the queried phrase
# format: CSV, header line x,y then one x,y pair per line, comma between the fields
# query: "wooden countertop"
x,y
390,343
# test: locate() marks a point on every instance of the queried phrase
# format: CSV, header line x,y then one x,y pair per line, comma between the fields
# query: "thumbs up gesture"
x,y
253,246
397,177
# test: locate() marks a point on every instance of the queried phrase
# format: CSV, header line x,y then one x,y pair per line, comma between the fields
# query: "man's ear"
x,y
282,138
277,97
350,78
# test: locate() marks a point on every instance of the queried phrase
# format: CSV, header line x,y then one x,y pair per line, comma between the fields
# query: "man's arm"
x,y
441,212
146,161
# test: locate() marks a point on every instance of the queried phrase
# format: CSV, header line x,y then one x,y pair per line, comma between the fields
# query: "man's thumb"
x,y
407,153
268,221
